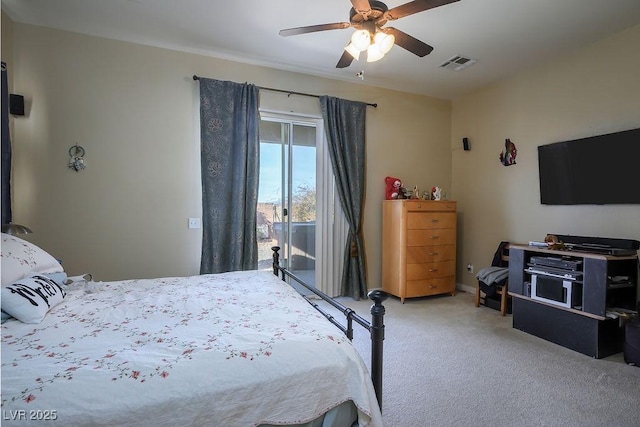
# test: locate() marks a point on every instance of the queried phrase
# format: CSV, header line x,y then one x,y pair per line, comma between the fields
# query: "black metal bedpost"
x,y
377,338
276,259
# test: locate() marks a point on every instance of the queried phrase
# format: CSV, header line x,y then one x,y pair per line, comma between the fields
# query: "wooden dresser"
x,y
418,247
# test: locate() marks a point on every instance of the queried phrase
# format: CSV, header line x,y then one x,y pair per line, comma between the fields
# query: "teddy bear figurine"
x,y
392,187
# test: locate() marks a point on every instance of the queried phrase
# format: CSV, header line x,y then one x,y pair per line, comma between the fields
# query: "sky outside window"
x,y
304,170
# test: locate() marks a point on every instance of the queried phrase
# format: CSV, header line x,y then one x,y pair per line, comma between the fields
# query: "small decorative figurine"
x,y
416,192
426,195
436,193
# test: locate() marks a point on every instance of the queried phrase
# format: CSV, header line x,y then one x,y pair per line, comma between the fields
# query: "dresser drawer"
x,y
430,220
431,237
423,288
429,205
430,270
418,254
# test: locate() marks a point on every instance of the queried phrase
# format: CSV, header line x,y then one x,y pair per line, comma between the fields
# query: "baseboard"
x,y
465,288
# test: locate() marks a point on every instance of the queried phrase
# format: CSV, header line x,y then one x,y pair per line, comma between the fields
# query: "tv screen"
x,y
597,170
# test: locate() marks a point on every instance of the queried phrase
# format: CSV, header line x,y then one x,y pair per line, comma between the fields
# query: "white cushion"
x,y
22,259
29,299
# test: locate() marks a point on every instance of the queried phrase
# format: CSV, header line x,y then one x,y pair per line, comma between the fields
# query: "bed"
x,y
233,349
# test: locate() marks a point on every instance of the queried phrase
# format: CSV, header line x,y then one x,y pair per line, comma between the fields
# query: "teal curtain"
x,y
344,123
230,153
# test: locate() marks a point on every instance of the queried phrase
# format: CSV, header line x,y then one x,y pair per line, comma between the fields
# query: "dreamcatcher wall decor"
x,y
76,162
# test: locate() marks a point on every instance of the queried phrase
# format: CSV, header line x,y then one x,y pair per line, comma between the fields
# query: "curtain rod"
x,y
290,92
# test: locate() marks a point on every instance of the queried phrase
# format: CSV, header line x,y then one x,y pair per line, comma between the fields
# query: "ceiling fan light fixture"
x,y
374,53
353,51
361,39
384,41
367,18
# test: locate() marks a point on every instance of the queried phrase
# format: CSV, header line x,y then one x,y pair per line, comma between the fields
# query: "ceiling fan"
x,y
368,17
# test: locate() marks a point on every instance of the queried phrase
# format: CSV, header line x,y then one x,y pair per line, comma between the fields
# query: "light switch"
x,y
194,222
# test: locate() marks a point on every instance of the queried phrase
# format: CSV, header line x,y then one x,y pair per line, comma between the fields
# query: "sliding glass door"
x,y
287,194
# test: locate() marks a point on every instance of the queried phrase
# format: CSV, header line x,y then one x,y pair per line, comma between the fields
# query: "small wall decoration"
x,y
508,156
76,162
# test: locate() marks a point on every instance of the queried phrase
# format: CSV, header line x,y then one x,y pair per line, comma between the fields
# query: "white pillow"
x,y
21,259
29,299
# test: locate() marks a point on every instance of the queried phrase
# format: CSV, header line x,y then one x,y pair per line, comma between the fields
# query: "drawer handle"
x,y
433,286
434,237
433,253
435,220
432,270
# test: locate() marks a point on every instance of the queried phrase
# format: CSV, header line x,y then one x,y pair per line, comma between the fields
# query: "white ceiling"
x,y
504,36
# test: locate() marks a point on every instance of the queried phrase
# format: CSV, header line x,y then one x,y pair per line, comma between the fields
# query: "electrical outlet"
x,y
470,268
194,222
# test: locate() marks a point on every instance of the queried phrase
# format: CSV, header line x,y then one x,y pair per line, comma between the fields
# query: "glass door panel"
x,y
303,202
287,195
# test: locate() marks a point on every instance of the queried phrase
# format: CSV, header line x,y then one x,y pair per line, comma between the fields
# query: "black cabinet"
x,y
601,286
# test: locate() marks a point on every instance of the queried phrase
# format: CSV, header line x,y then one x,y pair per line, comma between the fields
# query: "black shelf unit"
x,y
605,282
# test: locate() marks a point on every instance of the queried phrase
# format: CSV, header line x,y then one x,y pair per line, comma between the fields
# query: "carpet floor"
x,y
448,363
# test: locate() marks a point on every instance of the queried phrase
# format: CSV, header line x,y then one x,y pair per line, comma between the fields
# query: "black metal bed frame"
x,y
375,327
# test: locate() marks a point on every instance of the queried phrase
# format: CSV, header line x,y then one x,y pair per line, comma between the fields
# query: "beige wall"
x,y
595,90
135,110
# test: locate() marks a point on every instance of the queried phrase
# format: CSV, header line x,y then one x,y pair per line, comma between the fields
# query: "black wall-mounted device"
x,y
16,104
465,144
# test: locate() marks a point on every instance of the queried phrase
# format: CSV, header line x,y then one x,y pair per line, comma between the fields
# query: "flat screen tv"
x,y
598,170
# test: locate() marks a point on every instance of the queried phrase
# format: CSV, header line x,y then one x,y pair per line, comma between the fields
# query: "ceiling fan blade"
x,y
409,43
345,60
363,7
415,7
314,28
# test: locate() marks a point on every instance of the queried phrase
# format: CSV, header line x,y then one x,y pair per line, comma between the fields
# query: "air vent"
x,y
458,63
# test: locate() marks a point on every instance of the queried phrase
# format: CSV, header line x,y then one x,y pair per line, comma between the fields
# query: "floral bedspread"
x,y
234,349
